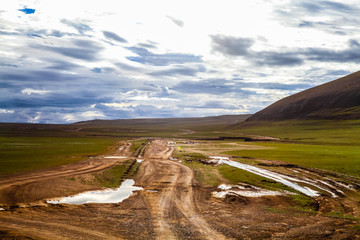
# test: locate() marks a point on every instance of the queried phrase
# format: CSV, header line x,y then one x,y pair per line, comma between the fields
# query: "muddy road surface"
x,y
172,205
169,191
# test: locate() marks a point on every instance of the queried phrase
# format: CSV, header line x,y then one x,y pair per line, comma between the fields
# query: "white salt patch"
x,y
105,196
225,187
115,157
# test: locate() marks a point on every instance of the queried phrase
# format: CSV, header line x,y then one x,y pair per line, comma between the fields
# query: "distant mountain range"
x,y
338,99
165,122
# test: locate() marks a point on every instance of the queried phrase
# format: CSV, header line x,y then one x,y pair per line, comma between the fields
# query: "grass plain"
x,y
330,145
19,153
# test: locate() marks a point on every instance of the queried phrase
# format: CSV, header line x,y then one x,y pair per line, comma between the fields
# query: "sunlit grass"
x,y
342,159
114,176
19,154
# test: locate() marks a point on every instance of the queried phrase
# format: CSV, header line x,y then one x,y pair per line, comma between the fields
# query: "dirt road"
x,y
170,195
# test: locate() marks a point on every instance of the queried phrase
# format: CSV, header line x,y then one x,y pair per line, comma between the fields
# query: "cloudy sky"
x,y
64,61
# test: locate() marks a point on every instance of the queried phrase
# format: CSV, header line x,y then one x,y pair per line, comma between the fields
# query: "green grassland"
x,y
19,154
326,132
341,159
114,176
331,145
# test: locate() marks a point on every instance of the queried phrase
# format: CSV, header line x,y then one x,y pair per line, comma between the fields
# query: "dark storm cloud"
x,y
231,46
147,57
269,58
179,71
351,54
86,50
80,27
38,102
285,57
114,36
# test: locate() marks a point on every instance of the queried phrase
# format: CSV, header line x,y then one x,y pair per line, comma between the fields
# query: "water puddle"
x,y
286,180
115,157
152,190
139,160
104,196
248,191
219,158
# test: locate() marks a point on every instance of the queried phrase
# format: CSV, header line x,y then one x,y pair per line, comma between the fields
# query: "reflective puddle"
x,y
286,180
102,196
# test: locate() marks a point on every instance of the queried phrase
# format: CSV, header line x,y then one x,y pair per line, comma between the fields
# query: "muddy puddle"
x,y
291,182
248,191
104,196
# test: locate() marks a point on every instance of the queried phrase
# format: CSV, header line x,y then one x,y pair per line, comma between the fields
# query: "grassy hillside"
x,y
338,99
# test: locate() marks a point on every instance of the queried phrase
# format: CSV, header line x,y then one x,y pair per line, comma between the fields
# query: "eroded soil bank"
x,y
173,205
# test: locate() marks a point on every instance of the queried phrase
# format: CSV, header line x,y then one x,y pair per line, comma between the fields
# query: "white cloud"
x,y
29,91
6,111
35,119
75,117
120,105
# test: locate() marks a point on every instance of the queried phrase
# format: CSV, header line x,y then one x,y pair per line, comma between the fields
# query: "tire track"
x,y
174,183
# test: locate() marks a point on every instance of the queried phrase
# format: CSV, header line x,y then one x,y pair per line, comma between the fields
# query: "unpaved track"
x,y
84,167
175,194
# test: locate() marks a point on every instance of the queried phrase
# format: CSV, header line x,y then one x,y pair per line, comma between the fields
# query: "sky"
x,y
65,61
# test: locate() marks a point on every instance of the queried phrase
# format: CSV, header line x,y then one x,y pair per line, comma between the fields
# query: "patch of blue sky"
x,y
27,10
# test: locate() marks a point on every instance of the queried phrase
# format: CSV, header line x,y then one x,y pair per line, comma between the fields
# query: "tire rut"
x,y
174,183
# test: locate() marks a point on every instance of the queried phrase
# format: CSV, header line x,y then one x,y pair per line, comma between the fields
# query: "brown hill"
x,y
191,122
338,99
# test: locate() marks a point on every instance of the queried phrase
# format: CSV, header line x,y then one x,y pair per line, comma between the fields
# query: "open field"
x,y
341,159
20,154
332,132
180,197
